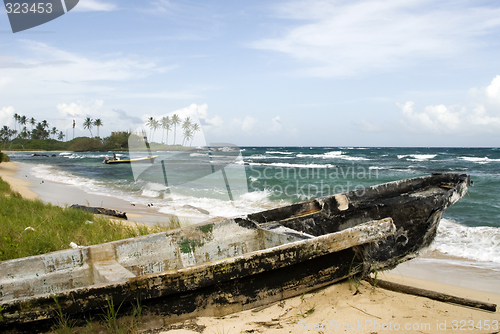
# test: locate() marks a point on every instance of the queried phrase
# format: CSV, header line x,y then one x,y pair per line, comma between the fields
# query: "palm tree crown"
x,y
175,120
88,124
98,123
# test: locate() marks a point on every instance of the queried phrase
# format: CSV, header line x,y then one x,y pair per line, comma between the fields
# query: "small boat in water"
x,y
225,266
150,159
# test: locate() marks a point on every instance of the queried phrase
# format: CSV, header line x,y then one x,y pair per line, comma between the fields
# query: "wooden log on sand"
x,y
442,297
101,211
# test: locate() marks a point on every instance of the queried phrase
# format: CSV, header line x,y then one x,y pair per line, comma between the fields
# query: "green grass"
x,y
31,227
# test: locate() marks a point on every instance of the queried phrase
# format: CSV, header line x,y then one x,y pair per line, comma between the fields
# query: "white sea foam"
x,y
87,155
153,190
164,202
285,165
333,155
247,203
278,152
480,243
50,173
478,160
417,157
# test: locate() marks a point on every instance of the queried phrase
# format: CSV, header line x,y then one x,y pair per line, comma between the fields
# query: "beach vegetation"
x,y
307,312
43,137
63,323
4,157
355,277
32,227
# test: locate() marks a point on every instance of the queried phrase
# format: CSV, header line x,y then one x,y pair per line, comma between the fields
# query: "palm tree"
x,y
175,120
61,135
195,128
156,126
88,124
23,120
168,128
16,118
6,133
98,123
188,134
186,126
165,124
151,124
32,122
24,133
53,131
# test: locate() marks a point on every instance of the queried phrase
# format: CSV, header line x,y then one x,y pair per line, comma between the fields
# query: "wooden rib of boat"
x,y
149,159
226,266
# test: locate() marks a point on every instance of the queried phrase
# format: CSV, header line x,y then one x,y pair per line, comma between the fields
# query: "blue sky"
x,y
265,73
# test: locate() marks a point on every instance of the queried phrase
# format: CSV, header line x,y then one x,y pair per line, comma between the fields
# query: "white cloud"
x,y
335,38
493,90
94,5
481,118
6,115
42,63
438,119
248,123
79,110
245,124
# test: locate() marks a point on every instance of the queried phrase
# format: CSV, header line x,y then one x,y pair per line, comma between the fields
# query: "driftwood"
x,y
442,297
101,211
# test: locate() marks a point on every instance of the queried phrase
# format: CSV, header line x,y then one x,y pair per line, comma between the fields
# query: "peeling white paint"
x,y
343,203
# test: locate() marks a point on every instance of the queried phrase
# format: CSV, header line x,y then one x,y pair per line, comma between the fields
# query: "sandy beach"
x,y
332,309
20,178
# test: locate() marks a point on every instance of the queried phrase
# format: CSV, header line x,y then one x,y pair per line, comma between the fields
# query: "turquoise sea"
x,y
259,178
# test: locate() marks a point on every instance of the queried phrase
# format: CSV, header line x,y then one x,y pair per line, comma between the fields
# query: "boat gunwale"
x,y
386,228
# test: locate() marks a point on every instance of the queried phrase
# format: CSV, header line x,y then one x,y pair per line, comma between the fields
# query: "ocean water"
x,y
260,178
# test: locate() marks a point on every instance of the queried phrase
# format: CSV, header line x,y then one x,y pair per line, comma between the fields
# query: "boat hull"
x,y
150,159
223,267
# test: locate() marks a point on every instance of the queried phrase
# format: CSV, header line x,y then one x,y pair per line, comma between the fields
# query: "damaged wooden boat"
x,y
226,266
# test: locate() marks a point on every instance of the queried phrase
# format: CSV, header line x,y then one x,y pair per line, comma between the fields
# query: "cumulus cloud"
x,y
493,90
481,116
6,115
336,38
79,109
245,124
248,123
436,119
